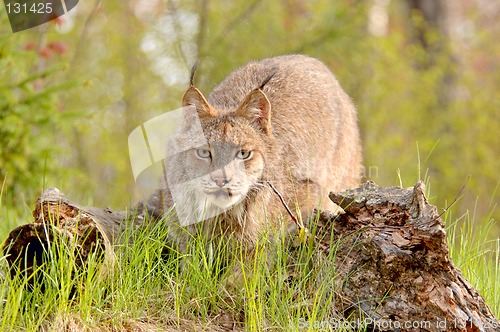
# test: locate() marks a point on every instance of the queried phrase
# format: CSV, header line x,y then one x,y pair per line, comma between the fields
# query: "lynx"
x,y
283,122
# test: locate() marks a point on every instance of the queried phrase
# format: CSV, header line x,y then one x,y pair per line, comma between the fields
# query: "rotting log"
x,y
391,260
87,229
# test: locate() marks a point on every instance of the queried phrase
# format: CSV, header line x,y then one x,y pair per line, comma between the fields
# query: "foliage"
x,y
31,118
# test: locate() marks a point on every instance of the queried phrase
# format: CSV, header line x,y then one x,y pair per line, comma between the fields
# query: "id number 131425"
x,y
24,8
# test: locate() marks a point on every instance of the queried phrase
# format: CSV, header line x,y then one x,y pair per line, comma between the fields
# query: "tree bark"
x,y
394,264
391,262
87,229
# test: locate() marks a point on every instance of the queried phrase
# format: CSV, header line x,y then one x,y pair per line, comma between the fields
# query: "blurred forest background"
x,y
424,75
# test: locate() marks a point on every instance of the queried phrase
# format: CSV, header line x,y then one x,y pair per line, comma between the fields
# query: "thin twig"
x,y
299,224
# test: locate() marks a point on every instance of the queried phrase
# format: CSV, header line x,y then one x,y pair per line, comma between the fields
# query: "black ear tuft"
x,y
268,78
193,71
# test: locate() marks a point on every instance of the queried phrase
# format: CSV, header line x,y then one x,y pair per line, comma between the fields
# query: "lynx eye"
x,y
203,153
244,154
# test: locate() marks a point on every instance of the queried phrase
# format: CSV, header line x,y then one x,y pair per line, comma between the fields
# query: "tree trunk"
x,y
391,260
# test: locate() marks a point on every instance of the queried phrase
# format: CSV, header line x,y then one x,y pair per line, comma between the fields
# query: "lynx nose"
x,y
220,181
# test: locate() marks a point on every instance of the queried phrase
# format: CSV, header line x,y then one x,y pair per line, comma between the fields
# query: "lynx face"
x,y
219,162
231,171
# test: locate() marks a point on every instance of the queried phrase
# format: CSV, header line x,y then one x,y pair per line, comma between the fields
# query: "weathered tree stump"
x,y
394,265
392,259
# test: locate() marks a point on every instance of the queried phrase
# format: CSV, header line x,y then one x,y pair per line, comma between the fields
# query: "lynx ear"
x,y
194,97
256,107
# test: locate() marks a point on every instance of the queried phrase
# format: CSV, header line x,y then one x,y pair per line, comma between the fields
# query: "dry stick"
x,y
299,223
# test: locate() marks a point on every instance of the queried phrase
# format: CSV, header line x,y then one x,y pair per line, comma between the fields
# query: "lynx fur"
x,y
283,120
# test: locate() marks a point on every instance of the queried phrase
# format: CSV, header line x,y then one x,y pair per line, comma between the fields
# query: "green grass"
x,y
477,254
151,286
